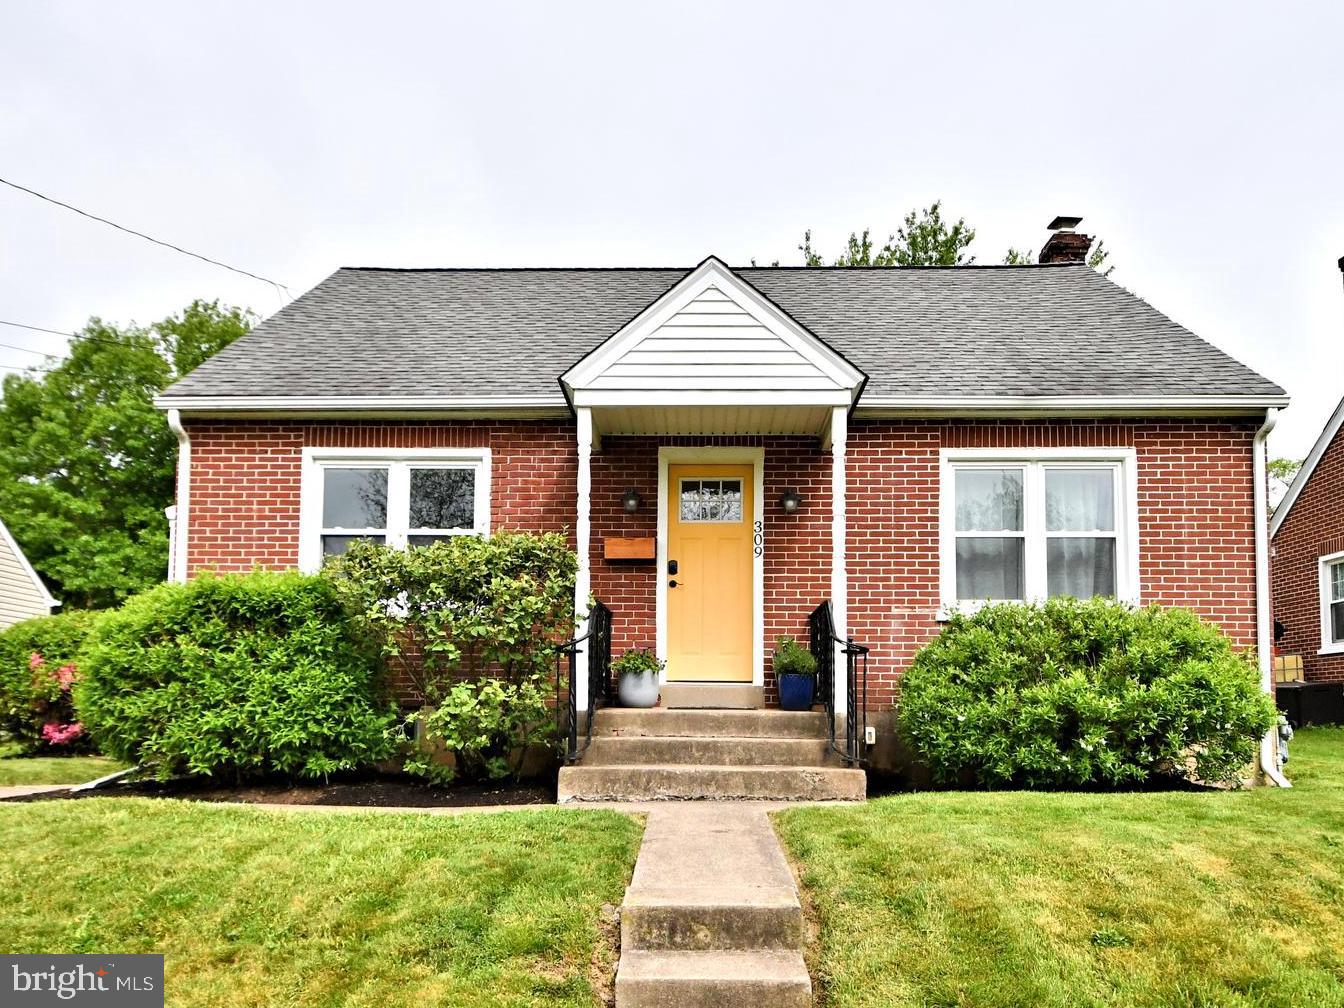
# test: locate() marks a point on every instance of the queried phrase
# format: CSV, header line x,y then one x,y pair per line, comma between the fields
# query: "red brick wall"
x,y
1195,503
245,479
1196,524
1313,528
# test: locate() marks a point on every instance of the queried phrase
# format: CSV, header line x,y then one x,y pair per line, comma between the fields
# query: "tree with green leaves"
x,y
924,239
86,460
1282,472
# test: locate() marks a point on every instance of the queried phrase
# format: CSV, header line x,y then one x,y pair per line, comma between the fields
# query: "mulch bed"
x,y
368,791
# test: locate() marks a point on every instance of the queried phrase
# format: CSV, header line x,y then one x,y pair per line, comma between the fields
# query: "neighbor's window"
x,y
1020,529
1332,603
412,500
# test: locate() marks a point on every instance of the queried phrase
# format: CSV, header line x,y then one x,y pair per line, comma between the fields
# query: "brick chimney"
x,y
1066,245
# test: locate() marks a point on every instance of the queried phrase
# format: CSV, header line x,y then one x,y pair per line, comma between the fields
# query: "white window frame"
x,y
1034,463
398,462
1323,567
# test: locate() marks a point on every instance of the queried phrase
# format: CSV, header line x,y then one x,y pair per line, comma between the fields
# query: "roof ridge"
x,y
687,269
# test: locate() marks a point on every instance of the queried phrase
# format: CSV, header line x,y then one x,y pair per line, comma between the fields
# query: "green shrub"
x,y
242,675
791,658
37,667
637,661
1082,694
480,619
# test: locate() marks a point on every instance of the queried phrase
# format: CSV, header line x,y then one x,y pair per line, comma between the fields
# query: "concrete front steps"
x,y
651,755
712,917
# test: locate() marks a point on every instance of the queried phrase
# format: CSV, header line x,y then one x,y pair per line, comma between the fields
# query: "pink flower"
x,y
35,662
64,676
54,733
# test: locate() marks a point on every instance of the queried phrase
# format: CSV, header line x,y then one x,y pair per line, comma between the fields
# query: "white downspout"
x,y
1264,629
180,520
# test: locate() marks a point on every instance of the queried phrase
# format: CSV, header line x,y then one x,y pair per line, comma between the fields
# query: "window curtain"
x,y
1080,500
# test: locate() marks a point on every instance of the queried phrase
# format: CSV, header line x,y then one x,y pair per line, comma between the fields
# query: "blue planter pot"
x,y
796,691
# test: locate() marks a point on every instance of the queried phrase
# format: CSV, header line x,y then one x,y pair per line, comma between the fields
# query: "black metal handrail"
x,y
821,631
598,638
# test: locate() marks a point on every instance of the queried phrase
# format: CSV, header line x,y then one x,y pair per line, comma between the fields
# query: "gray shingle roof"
x,y
951,331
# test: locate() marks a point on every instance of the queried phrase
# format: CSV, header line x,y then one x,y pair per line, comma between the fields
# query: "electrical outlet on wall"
x,y
870,735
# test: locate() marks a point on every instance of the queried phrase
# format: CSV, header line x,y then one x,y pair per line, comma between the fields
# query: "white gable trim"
x,y
1318,450
27,568
713,273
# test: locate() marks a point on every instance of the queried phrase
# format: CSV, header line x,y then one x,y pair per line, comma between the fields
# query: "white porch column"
x,y
839,574
583,534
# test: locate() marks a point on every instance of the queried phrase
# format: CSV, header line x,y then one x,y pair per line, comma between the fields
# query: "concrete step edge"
x,y
782,966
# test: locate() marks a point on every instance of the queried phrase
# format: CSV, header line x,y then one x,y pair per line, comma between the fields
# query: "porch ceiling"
x,y
810,420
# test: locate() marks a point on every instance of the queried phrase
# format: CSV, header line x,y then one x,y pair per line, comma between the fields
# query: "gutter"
x,y
1264,627
182,512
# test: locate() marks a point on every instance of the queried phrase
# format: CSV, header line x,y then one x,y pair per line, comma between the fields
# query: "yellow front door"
x,y
709,598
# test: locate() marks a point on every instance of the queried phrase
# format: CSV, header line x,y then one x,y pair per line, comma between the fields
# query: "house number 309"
x,y
758,539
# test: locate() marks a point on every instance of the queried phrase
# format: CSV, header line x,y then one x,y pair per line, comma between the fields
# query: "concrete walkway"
x,y
712,915
20,790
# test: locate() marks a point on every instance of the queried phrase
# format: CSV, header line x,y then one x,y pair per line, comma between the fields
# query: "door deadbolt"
x,y
672,567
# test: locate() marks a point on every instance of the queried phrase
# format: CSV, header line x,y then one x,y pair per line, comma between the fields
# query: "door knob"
x,y
672,583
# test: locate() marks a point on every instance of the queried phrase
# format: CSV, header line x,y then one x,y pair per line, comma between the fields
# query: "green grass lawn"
x,y
1043,900
16,769
253,907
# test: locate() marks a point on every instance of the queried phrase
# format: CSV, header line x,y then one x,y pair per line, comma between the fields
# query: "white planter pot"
x,y
638,689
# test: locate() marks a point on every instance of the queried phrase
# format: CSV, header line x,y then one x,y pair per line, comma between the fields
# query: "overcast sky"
x,y
1203,142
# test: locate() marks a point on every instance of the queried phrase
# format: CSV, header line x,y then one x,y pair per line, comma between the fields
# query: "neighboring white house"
x,y
22,593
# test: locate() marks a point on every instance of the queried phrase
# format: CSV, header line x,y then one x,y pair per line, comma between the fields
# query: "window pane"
x,y
335,545
443,499
425,540
1337,622
1080,567
1337,581
730,507
354,498
690,500
1080,500
989,500
989,568
709,500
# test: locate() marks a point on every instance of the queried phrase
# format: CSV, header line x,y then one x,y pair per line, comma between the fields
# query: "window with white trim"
x,y
1332,603
1033,527
402,499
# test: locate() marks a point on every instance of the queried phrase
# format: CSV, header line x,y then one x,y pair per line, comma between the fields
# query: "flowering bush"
x,y
38,670
53,705
1082,694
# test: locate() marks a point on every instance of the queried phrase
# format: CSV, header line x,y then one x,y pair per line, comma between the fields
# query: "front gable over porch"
x,y
713,356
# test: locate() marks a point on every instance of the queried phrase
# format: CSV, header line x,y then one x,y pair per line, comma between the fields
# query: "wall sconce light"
x,y
632,501
789,501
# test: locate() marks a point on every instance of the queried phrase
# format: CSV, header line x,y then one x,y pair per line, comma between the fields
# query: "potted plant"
x,y
637,674
796,675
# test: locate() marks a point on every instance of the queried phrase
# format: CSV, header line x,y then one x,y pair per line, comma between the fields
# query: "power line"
x,y
140,234
43,353
57,332
20,325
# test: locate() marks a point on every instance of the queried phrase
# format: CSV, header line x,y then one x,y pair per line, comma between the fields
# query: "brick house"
x,y
1307,560
729,448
